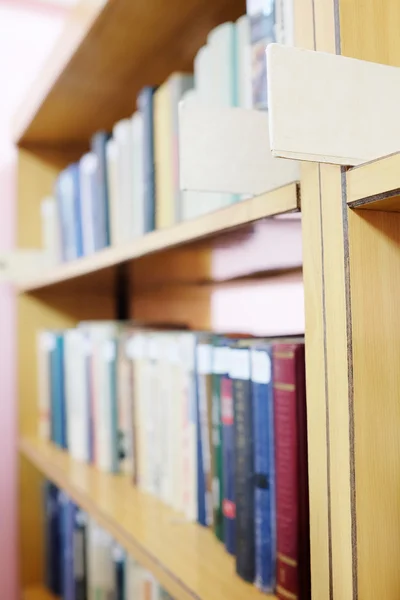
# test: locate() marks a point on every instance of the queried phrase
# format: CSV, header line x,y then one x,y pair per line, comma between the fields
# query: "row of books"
x,y
213,426
83,562
128,184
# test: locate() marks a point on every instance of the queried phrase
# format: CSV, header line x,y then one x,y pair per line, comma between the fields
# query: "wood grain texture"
x,y
37,593
106,55
282,200
327,122
375,185
375,273
187,559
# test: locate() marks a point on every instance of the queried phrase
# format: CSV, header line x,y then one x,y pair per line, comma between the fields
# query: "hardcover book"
x,y
101,215
145,106
239,371
293,542
264,467
228,459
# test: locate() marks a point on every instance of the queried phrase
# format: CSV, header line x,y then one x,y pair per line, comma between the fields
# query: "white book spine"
x,y
122,133
113,192
137,172
76,395
243,61
87,169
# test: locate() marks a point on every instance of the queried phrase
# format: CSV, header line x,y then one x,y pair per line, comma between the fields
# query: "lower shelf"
x,y
37,593
186,558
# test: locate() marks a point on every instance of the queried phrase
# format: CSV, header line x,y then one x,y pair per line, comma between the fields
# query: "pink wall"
x,y
28,30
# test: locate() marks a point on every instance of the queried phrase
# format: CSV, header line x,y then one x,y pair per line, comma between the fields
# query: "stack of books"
x,y
214,426
82,561
128,184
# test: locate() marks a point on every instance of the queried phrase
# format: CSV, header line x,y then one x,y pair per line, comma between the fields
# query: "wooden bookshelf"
x,y
283,200
107,53
375,185
186,558
37,593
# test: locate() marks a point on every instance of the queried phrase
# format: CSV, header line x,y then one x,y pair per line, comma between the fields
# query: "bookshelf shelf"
x,y
375,185
79,90
185,558
282,200
37,593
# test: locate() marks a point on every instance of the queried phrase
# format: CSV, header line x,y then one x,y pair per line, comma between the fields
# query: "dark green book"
x,y
219,369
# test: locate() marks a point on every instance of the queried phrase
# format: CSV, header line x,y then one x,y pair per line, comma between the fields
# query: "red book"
x,y
292,508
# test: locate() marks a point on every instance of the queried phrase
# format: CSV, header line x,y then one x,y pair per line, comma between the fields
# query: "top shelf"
x,y
375,185
106,54
282,200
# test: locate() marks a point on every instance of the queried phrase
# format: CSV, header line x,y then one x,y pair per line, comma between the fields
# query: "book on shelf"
x,y
84,562
213,426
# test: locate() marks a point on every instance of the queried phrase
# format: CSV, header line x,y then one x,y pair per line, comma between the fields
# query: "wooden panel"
x,y
282,200
333,121
37,593
186,559
375,185
226,149
91,83
375,276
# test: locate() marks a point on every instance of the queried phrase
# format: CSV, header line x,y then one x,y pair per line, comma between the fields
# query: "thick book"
x,y
68,203
204,390
79,555
52,538
101,216
228,460
292,508
220,366
145,106
87,182
68,510
123,209
59,425
239,371
264,467
119,558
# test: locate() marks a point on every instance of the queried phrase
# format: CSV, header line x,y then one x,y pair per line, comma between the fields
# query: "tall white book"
x,y
243,63
76,396
87,170
100,571
122,133
113,191
137,175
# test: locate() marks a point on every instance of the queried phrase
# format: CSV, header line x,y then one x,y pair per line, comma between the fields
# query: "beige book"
x,y
163,157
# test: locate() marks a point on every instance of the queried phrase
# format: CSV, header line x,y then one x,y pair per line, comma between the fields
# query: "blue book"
x,y
57,390
52,538
69,210
145,104
102,214
228,461
264,468
79,559
68,510
119,559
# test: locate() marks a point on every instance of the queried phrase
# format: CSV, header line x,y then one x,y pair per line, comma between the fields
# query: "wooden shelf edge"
x,y
37,592
375,185
109,498
280,201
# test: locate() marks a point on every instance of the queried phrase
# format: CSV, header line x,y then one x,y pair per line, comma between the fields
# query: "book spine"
x,y
76,209
204,367
145,106
99,141
59,425
119,559
262,33
52,538
228,459
244,462
220,367
291,472
79,548
68,522
264,470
